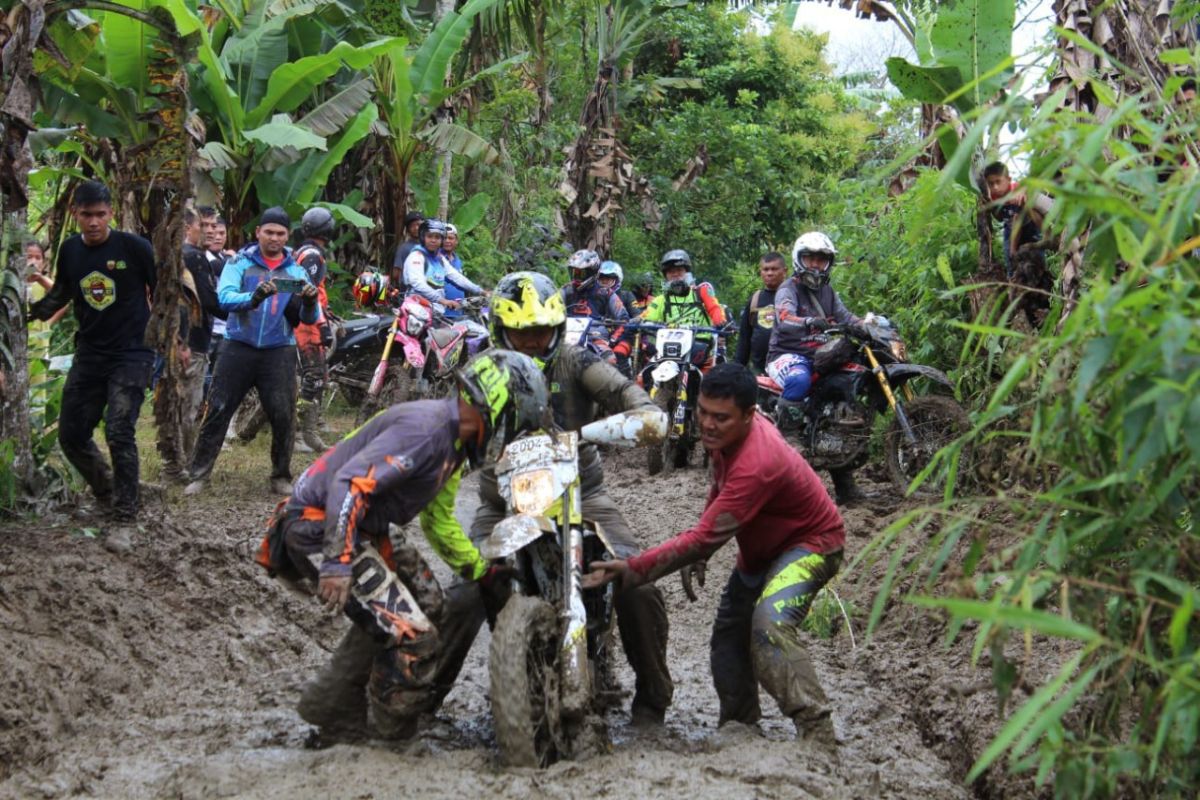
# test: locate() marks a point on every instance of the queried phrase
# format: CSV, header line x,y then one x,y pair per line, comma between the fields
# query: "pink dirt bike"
x,y
396,379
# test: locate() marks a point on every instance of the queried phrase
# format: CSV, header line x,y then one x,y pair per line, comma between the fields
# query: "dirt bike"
x,y
448,347
396,380
672,378
552,639
867,373
349,359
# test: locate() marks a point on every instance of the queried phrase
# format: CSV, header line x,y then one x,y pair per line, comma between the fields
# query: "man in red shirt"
x,y
790,538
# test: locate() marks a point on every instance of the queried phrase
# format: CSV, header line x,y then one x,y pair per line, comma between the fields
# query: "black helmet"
x,y
430,227
317,222
643,284
675,258
413,216
528,300
510,393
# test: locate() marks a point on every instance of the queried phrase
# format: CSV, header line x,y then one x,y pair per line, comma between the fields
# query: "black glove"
x,y
818,323
309,295
495,576
261,292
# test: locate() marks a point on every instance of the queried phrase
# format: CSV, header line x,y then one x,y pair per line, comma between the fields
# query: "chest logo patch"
x,y
99,290
766,317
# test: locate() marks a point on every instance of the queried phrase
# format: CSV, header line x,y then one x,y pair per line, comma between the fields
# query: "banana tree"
x,y
287,99
413,90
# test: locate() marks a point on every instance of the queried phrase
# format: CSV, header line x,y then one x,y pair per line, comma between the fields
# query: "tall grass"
x,y
1097,425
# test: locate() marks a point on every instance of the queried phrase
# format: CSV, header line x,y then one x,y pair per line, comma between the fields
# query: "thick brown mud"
x,y
173,671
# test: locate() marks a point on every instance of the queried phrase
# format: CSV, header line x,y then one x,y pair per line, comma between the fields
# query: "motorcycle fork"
x,y
575,679
893,403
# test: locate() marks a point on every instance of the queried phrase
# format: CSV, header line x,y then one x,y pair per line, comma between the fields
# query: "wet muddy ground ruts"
x,y
173,671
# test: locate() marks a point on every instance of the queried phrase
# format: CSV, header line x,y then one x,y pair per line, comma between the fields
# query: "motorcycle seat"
x,y
444,337
358,323
766,382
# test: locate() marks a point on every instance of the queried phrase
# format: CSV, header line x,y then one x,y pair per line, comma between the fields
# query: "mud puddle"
x,y
173,671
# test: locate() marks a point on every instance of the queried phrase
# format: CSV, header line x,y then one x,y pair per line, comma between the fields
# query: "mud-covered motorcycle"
x,y
672,378
395,380
860,372
552,638
449,344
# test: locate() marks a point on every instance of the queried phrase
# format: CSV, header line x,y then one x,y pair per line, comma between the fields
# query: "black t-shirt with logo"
x,y
754,337
111,285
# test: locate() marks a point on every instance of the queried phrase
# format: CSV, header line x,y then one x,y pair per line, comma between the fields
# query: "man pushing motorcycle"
x,y
805,307
790,538
529,316
333,531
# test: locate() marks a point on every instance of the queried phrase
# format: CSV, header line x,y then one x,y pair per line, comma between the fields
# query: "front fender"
x,y
413,353
898,374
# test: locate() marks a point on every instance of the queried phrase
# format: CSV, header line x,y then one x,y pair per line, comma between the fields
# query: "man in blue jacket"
x,y
260,290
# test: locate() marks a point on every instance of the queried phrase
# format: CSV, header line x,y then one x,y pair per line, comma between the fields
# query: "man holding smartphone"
x,y
266,294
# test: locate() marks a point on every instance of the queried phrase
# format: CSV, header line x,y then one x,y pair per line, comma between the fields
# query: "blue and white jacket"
x,y
264,327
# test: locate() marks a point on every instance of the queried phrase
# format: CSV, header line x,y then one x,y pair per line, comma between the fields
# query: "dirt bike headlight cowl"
x,y
533,491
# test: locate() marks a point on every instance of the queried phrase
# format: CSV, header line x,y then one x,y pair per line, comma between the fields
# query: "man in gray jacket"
x,y
805,307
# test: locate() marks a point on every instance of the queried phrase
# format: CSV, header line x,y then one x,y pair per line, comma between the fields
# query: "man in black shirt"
x,y
758,317
412,224
110,276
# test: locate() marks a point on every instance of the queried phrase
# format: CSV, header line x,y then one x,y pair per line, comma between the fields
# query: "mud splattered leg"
x,y
729,654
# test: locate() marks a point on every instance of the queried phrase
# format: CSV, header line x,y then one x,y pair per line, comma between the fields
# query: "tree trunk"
x,y
16,121
169,160
1125,32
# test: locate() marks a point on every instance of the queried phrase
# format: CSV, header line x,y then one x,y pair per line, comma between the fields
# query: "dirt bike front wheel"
x,y
523,665
398,387
936,421
663,455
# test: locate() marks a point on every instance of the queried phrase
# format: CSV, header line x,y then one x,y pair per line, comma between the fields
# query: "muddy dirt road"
x,y
173,672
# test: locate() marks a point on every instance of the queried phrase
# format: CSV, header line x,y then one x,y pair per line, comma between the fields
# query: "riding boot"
x,y
845,488
789,414
336,701
309,413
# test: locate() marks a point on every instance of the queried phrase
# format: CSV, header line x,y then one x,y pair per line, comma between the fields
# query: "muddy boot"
x,y
789,415
281,486
309,413
118,538
819,735
336,701
845,488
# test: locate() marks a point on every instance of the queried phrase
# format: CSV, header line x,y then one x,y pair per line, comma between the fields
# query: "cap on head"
x,y
275,216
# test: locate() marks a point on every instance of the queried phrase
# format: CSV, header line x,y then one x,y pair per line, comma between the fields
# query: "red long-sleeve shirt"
x,y
764,494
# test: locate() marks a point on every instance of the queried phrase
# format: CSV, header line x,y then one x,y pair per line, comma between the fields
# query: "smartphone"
x,y
292,285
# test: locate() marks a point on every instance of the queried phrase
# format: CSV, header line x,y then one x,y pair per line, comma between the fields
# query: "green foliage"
x,y
903,255
777,129
1088,532
967,58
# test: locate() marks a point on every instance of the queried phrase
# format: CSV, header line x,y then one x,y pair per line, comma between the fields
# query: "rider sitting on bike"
x,y
684,303
528,316
426,270
588,296
805,307
643,294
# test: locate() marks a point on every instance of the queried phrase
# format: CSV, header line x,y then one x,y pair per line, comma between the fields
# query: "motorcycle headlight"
x,y
899,351
414,325
533,491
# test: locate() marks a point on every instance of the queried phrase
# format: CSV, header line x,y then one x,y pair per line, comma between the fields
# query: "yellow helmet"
x,y
527,300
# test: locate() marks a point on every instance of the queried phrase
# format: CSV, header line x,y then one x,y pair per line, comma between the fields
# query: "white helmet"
x,y
813,242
